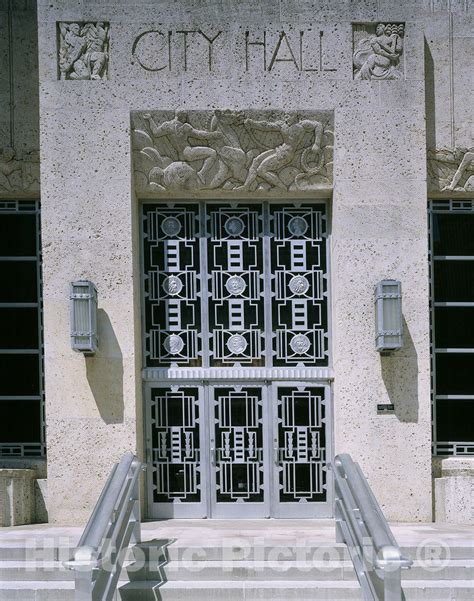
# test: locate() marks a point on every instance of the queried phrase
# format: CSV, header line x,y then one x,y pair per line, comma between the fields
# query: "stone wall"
x,y
19,100
282,56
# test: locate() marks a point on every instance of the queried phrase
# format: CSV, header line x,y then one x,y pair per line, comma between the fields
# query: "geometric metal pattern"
x,y
22,431
176,456
261,285
238,434
236,287
236,302
451,226
298,253
171,285
301,444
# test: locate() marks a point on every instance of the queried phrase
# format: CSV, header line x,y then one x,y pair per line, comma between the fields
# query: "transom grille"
x,y
230,284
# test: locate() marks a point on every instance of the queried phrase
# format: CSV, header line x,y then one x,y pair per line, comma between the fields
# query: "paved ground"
x,y
268,532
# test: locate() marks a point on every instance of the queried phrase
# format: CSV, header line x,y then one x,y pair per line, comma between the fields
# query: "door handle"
x,y
213,456
275,455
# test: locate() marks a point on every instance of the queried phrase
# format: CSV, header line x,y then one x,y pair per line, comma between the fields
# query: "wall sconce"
x,y
83,311
388,316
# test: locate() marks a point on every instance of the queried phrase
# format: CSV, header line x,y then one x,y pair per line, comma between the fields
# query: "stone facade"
x,y
372,105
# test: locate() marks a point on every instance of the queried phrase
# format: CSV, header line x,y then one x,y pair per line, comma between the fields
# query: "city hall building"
x,y
237,239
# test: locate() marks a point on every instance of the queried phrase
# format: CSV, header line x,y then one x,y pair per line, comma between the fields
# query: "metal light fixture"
x,y
388,316
83,311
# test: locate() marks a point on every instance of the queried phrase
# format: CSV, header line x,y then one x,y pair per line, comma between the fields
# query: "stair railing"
x,y
114,523
361,525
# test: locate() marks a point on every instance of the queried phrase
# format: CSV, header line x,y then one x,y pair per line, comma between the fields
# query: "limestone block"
x,y
41,507
17,497
454,491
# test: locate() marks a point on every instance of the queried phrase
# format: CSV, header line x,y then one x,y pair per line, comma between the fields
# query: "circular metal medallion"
x,y
298,226
300,344
236,344
234,226
173,344
172,285
170,226
235,285
298,284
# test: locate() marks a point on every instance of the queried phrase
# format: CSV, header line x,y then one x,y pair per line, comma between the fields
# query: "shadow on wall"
x,y
400,376
105,372
430,98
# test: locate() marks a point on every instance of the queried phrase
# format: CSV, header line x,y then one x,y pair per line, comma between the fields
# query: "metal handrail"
x,y
114,523
361,525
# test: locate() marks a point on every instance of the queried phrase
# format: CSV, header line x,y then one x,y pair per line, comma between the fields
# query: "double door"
x,y
238,450
236,353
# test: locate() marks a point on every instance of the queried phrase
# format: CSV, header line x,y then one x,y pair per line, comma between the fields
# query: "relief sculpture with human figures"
x,y
232,150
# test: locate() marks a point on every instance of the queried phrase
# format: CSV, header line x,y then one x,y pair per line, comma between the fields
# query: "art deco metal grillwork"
x,y
301,443
22,431
260,285
238,431
176,456
239,288
172,285
236,302
451,224
298,259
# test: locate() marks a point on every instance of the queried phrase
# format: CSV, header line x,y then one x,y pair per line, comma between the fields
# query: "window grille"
x,y
21,334
451,227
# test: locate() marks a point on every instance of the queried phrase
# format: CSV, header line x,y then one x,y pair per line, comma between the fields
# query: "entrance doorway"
x,y
238,413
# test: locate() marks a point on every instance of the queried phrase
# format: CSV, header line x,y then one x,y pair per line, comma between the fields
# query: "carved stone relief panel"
x,y
451,169
239,151
19,173
378,50
83,51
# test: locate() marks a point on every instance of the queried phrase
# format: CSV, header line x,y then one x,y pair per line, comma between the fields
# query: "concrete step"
x,y
29,552
442,590
34,570
36,591
157,550
439,590
239,591
242,571
455,569
434,552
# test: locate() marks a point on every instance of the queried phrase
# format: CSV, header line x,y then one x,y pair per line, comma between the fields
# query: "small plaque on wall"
x,y
385,408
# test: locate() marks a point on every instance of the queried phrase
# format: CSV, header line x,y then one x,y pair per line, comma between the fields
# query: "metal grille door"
x,y
236,348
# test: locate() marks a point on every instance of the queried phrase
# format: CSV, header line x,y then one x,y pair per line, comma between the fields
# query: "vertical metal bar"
x,y
135,515
392,588
39,275
432,325
209,397
326,233
148,449
267,286
84,584
203,269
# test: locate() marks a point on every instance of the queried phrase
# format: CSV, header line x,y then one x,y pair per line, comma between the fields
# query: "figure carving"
x,y
378,56
83,50
268,163
232,150
451,169
19,173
